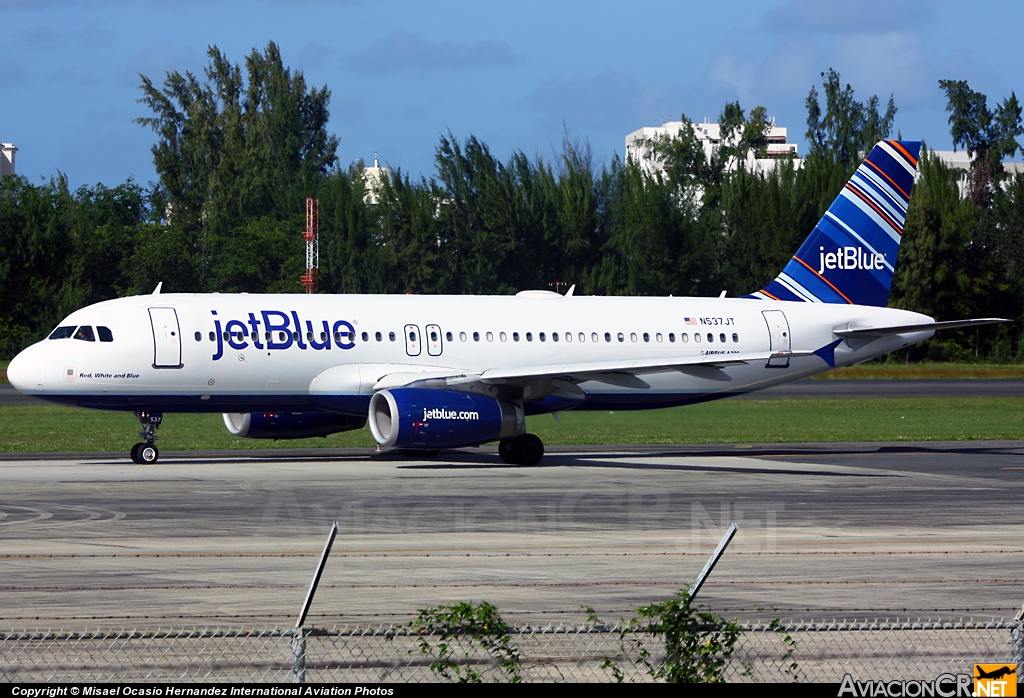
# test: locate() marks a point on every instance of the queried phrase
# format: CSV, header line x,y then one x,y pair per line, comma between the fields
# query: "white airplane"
x,y
433,372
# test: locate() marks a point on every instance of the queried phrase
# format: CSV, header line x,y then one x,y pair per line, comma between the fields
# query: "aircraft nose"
x,y
27,371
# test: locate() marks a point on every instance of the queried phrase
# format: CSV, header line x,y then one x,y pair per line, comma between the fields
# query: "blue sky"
x,y
515,74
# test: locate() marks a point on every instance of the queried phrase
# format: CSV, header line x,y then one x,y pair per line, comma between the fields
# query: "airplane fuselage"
x,y
308,353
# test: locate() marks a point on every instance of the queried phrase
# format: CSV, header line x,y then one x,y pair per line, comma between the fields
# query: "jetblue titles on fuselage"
x,y
280,330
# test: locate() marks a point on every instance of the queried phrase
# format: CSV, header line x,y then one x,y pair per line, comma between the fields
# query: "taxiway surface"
x,y
825,530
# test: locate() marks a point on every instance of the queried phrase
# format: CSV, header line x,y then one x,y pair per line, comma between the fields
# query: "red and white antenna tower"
x,y
312,234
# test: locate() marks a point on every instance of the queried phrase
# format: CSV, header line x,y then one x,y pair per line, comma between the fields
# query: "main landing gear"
x,y
146,452
526,449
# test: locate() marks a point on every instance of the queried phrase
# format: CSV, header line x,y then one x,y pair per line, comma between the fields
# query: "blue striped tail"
x,y
850,255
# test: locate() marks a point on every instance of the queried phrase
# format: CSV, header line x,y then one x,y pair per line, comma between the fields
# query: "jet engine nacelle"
x,y
285,425
428,418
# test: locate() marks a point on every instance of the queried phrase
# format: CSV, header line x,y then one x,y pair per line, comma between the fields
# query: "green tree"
x,y
236,149
987,135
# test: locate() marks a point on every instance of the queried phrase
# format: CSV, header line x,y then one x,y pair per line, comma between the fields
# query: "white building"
x,y
7,151
374,177
710,136
960,160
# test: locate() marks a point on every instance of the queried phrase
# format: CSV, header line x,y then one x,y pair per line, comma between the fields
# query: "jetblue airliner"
x,y
434,372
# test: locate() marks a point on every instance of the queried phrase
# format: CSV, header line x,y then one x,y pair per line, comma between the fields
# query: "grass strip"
x,y
942,371
54,428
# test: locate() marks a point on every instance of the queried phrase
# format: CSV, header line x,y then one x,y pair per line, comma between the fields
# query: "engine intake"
x,y
286,425
430,418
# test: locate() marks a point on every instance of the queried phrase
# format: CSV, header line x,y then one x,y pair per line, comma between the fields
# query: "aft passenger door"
x,y
778,334
166,338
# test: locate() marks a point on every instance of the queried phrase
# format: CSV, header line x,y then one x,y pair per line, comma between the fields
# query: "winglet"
x,y
828,353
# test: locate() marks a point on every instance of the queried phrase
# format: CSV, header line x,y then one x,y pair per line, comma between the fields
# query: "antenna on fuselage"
x,y
156,291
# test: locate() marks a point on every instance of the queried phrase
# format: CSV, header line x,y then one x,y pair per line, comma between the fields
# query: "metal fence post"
x,y
1017,639
298,656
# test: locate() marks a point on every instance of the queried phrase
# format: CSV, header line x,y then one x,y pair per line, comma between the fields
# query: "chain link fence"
x,y
816,652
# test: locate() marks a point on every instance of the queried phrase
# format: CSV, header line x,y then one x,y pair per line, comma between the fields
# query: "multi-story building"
x,y
710,137
7,151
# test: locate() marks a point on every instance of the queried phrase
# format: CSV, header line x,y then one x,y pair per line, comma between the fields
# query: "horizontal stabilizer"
x,y
920,327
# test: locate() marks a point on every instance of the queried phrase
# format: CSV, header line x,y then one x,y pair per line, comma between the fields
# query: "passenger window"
x,y
255,336
735,337
501,336
366,336
490,337
337,337
554,336
632,336
515,336
647,337
593,336
529,336
672,337
391,336
686,338
85,334
607,337
62,332
107,336
266,335
433,335
309,336
323,337
622,338
295,336
696,337
448,336
476,336
213,337
711,337
462,336
378,336
227,336
721,337
199,336
542,337
658,336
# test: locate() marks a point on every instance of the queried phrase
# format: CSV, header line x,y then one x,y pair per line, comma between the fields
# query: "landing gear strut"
x,y
146,452
526,449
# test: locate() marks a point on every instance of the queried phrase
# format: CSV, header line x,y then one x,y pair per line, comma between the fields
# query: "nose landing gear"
x,y
146,452
526,449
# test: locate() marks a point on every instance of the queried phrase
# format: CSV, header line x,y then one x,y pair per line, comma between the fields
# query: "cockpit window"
x,y
63,332
105,334
85,333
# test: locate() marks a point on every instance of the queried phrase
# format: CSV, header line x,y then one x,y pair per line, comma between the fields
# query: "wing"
x,y
622,373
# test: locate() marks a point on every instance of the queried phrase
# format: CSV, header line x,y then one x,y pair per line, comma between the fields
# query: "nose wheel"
x,y
146,452
526,449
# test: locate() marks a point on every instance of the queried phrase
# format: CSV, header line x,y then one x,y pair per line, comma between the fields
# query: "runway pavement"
x,y
826,530
799,389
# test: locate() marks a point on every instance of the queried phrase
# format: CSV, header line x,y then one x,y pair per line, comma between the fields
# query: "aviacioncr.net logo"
x,y
944,686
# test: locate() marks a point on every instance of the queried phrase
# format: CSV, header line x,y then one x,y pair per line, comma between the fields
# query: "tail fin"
x,y
850,255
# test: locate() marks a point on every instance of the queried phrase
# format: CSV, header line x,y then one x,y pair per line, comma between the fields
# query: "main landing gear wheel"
x,y
526,449
419,452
